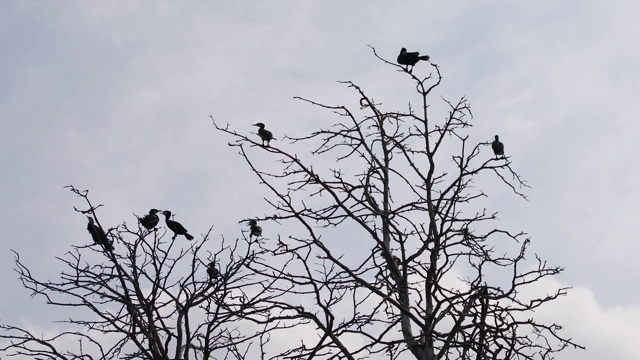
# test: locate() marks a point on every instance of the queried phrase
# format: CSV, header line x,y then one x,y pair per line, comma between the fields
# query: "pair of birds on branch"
x,y
150,221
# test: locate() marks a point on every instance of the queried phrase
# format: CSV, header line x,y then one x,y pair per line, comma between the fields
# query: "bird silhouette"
x,y
498,147
212,271
255,229
98,235
264,134
410,59
151,220
175,226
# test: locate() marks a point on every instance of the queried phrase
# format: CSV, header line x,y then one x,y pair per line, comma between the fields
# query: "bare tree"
x,y
149,297
390,252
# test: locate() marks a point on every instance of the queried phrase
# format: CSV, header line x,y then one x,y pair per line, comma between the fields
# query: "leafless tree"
x,y
389,251
149,297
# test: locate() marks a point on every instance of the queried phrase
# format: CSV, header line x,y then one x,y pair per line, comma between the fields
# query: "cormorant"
x,y
265,134
212,271
255,229
151,220
410,59
498,147
98,235
175,226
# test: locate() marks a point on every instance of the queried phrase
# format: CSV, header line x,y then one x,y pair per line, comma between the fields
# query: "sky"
x,y
115,97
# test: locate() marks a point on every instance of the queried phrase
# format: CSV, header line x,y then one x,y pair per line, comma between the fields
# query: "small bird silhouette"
x,y
151,220
498,147
255,229
410,59
175,226
212,271
265,134
98,235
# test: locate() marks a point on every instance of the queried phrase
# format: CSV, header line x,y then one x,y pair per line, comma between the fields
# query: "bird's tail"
x,y
189,237
424,57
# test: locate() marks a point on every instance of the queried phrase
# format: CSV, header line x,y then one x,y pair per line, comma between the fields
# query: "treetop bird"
x,y
410,59
175,226
498,147
151,220
212,271
255,229
264,134
98,235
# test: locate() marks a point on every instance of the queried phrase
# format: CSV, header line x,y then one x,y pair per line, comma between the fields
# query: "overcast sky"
x,y
115,97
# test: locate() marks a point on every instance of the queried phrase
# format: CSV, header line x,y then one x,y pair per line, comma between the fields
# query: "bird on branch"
x,y
98,235
264,134
212,271
175,226
410,59
255,229
151,220
498,147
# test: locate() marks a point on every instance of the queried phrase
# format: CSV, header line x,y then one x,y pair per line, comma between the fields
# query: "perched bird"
x,y
410,59
265,134
498,147
255,229
175,226
98,235
151,220
212,271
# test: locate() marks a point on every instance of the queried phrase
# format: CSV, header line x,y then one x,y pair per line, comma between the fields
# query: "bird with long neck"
x,y
264,134
98,235
175,226
410,59
151,220
498,147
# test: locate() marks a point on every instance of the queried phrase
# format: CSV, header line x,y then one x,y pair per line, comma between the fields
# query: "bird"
x,y
265,134
212,271
175,226
498,147
410,59
98,235
255,229
151,220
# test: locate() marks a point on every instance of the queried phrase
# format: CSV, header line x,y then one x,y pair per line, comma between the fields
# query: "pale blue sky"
x,y
115,97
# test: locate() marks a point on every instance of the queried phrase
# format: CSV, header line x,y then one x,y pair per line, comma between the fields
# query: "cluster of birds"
x,y
150,221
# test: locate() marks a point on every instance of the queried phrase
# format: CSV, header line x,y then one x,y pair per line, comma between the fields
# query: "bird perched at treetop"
x,y
98,235
212,271
498,147
255,229
410,59
265,134
175,226
151,220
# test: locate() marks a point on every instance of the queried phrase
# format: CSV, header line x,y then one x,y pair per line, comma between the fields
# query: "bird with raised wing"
x,y
175,226
410,59
264,134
